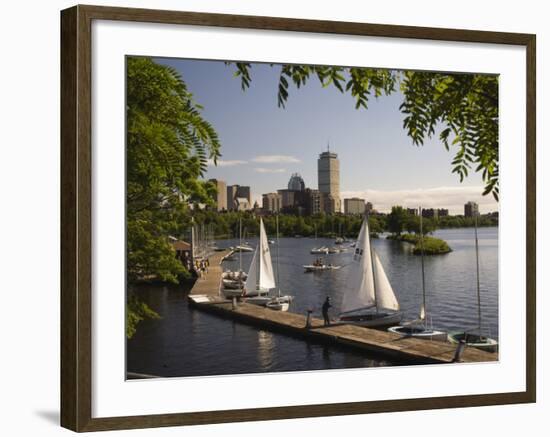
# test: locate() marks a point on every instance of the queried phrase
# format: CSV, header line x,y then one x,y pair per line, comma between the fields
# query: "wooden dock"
x,y
205,296
209,284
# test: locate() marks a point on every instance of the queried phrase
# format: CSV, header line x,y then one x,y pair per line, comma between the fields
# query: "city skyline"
x,y
262,145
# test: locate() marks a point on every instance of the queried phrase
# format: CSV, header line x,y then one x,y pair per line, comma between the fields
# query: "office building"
x,y
296,183
221,196
429,213
313,202
287,198
231,195
237,191
471,209
272,202
242,204
354,205
328,174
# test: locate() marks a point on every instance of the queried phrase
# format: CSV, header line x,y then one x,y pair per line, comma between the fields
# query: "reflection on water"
x,y
265,349
188,342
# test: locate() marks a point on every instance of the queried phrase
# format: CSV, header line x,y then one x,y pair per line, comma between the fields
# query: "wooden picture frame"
x,y
76,217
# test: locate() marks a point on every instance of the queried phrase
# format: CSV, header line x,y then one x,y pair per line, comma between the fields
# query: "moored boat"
x,y
369,300
319,250
237,275
243,248
261,277
320,268
232,284
277,305
419,328
419,331
474,340
474,337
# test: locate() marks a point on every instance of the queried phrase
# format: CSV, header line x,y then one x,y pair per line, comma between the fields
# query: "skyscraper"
x,y
471,209
221,195
296,183
231,195
328,174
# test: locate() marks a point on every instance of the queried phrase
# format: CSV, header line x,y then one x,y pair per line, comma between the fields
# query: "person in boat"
x,y
325,308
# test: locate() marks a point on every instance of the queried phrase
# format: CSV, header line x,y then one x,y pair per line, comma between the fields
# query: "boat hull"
x,y
474,340
382,319
261,300
278,306
419,332
265,299
312,268
239,275
321,251
243,249
232,284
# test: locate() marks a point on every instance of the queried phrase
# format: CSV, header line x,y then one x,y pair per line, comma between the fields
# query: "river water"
x,y
188,342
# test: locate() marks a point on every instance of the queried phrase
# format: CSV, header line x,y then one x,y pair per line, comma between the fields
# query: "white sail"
x,y
267,277
422,315
360,283
252,278
385,297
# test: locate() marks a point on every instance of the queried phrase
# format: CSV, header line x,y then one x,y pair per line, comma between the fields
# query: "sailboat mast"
x,y
278,282
422,262
240,245
477,278
372,262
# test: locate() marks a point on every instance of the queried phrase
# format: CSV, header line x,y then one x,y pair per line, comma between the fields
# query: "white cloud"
x,y
223,163
269,170
452,198
275,159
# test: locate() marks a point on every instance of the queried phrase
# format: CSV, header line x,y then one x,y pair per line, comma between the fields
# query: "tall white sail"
x,y
360,283
267,277
385,297
252,278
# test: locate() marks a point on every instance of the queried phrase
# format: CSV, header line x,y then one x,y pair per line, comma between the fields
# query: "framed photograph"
x,y
268,218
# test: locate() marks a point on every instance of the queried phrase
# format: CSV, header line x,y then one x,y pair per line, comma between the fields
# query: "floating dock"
x,y
206,296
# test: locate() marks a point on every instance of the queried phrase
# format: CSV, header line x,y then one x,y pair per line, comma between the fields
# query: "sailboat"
x,y
233,281
419,328
280,302
472,339
320,249
261,277
369,299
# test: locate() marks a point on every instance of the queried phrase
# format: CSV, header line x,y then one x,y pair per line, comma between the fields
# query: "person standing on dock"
x,y
325,308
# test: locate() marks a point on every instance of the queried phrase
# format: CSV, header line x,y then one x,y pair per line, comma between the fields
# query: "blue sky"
x,y
262,144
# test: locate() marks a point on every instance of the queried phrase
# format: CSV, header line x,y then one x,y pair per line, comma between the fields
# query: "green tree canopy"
x,y
398,220
168,145
462,108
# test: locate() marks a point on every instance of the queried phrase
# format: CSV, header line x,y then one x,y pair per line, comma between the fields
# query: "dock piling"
x,y
308,320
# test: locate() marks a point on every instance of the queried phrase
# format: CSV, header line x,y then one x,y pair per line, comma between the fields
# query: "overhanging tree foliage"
x,y
464,106
168,145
